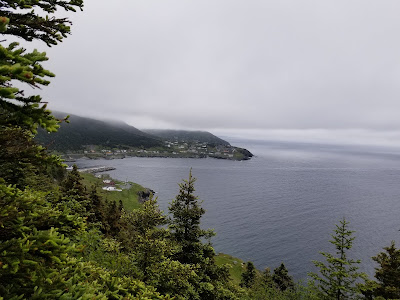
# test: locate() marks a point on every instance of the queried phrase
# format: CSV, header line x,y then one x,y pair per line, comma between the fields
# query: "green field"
x,y
236,266
129,197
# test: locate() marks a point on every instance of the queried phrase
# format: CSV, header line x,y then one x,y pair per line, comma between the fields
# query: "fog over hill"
x,y
81,131
86,131
187,136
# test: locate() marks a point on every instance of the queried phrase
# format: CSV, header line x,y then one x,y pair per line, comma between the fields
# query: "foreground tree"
x,y
248,276
282,279
23,163
336,278
194,244
185,224
32,250
147,240
39,234
388,273
20,18
278,286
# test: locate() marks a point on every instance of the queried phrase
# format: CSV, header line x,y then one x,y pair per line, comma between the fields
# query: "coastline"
x,y
240,155
130,193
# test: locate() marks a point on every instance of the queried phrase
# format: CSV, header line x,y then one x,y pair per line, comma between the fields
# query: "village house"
x,y
111,189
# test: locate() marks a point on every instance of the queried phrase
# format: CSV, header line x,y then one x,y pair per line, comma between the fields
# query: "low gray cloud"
x,y
228,65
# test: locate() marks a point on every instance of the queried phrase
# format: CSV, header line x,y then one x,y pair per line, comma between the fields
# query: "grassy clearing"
x,y
236,266
129,197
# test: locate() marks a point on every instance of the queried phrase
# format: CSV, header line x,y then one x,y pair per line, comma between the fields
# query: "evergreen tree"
x,y
146,238
37,260
112,219
187,234
282,279
19,18
248,276
185,224
74,195
96,207
72,185
23,163
148,242
32,250
388,273
336,278
267,277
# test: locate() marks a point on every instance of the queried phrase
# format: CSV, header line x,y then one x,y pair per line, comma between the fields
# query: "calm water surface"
x,y
281,206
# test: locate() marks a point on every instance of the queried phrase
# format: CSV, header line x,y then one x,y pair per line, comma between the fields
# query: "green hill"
x,y
81,131
182,136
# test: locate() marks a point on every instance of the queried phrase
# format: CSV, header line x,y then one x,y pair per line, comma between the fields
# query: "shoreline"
x,y
72,157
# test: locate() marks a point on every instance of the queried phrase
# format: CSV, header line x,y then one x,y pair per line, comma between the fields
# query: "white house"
x,y
111,189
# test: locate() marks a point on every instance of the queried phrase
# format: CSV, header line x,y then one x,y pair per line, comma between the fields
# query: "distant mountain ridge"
x,y
81,131
182,136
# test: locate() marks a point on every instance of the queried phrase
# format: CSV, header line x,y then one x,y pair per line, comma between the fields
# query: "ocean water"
x,y
282,205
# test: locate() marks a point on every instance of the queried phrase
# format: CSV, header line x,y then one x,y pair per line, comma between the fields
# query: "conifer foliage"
x,y
32,250
249,276
147,239
337,277
21,18
282,279
24,163
38,253
58,241
29,25
194,246
388,273
185,224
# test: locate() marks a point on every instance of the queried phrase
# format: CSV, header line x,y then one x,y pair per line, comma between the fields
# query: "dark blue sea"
x,y
282,205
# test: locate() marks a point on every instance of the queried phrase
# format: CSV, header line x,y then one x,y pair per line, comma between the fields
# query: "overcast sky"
x,y
284,68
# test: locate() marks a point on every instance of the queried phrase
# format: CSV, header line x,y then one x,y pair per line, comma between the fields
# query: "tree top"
x,y
26,23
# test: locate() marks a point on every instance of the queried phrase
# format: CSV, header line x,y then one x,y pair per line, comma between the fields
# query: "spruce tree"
x,y
37,259
96,207
248,276
185,224
33,251
194,250
146,240
29,20
282,279
72,185
112,221
267,277
74,195
337,277
388,273
23,163
145,237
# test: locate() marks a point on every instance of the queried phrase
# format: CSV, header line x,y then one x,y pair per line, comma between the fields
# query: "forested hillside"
x,y
113,139
187,136
81,131
62,239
